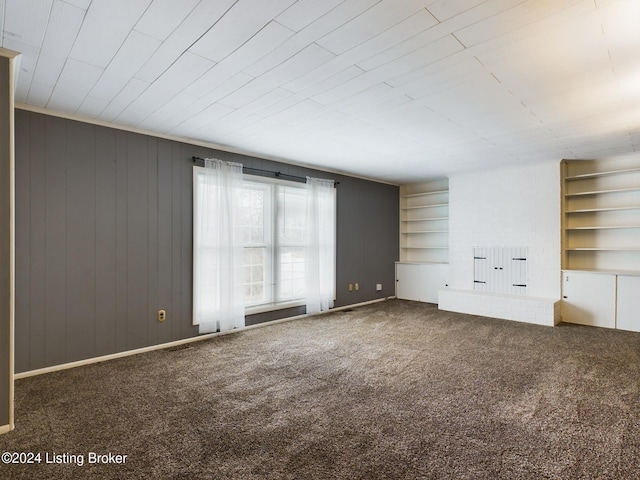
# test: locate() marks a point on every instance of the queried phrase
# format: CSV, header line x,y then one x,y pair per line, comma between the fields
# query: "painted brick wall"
x,y
515,206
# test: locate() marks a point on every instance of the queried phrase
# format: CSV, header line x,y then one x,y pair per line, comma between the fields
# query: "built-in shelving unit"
x,y
601,215
424,222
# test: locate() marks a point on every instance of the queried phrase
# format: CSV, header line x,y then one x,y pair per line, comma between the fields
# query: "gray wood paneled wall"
x,y
104,239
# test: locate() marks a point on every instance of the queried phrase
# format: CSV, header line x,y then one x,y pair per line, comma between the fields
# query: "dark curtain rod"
x,y
270,172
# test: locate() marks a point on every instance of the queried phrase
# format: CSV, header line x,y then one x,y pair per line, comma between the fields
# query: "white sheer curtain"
x,y
218,296
320,245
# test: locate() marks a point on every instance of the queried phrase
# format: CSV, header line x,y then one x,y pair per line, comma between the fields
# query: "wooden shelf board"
x,y
425,206
425,219
601,174
424,194
599,192
603,227
603,249
605,209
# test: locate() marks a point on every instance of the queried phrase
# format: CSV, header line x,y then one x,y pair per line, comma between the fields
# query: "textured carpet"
x,y
395,390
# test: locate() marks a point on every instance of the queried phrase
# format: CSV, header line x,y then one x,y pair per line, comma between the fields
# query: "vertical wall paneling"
x,y
56,241
176,236
152,246
137,241
122,206
106,234
37,243
24,194
165,227
81,244
106,203
186,240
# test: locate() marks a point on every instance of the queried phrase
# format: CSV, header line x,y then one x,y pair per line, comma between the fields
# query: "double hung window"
x,y
272,224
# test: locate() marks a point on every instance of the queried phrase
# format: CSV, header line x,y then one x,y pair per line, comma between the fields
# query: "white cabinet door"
x,y
628,303
434,277
589,299
408,279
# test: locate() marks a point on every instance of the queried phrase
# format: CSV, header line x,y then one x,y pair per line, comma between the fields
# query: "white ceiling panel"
x,y
304,12
39,94
263,42
201,18
183,72
201,119
105,28
75,82
64,23
308,59
522,15
243,20
369,24
163,17
317,29
26,22
83,4
91,107
198,104
402,31
136,49
398,90
132,90
445,9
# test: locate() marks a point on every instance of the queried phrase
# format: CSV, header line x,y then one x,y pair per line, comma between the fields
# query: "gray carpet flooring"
x,y
394,390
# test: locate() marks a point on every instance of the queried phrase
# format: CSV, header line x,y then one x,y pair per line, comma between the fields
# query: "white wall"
x,y
515,206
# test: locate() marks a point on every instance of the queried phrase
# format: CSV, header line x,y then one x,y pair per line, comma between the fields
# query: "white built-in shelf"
x,y
600,192
609,209
603,249
604,227
424,219
425,194
601,174
601,214
426,202
435,205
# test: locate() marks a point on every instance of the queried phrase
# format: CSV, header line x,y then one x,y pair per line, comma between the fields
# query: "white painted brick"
x,y
508,207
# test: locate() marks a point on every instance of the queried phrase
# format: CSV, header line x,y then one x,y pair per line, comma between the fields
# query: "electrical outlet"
x,y
162,315
357,287
351,287
378,287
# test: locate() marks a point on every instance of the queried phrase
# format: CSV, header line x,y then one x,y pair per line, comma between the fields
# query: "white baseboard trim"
x,y
5,429
127,353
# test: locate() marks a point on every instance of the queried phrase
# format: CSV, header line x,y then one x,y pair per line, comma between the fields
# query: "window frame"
x,y
274,305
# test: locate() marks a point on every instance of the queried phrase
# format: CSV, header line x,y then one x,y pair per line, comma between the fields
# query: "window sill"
x,y
273,307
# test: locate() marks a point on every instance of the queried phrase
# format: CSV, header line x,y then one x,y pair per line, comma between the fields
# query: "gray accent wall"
x,y
104,239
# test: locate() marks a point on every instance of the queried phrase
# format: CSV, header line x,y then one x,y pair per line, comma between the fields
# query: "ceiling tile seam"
x,y
251,38
189,47
39,48
341,25
116,54
379,33
613,71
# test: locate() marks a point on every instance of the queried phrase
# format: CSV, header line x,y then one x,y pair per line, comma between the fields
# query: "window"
x,y
273,223
270,227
